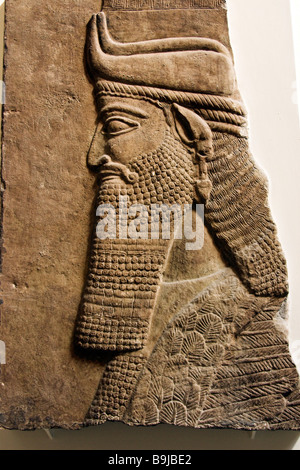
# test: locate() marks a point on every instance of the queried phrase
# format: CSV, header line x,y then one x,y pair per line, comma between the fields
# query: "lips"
x,y
110,170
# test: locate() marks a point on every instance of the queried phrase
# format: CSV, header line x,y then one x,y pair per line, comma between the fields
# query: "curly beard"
x,y
124,275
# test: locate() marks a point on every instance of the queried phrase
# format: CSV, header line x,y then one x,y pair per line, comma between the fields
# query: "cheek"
x,y
140,141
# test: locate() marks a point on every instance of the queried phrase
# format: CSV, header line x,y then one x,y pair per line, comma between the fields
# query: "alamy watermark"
x,y
2,353
154,222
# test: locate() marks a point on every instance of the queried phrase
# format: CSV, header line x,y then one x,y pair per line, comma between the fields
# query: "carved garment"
x,y
220,362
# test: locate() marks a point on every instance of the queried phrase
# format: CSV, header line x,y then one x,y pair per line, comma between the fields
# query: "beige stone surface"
x,y
48,124
208,351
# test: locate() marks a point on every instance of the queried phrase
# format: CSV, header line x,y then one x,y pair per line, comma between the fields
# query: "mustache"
x,y
108,169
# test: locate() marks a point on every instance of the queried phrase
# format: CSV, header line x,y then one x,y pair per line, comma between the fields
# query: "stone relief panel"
x,y
149,285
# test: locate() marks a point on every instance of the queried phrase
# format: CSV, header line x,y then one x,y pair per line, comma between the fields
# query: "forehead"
x,y
131,106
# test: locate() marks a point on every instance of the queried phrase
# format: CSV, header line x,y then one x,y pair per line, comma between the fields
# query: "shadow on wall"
x,y
2,10
2,85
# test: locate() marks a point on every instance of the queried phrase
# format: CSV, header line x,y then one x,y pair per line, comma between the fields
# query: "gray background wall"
x,y
262,41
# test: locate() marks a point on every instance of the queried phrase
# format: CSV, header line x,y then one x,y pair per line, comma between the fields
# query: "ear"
x,y
191,128
195,132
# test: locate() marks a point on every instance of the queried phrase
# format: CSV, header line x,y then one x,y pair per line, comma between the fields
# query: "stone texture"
x,y
140,331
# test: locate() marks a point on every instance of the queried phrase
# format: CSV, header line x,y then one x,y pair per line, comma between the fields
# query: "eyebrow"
x,y
125,108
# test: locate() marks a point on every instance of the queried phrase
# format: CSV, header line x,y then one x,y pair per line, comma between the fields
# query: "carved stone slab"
x,y
143,280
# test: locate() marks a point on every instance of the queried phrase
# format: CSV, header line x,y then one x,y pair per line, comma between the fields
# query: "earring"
x,y
203,184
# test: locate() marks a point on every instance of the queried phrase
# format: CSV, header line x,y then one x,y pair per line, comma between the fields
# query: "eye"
x,y
116,125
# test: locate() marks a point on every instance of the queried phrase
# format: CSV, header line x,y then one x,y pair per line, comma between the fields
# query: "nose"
x,y
96,150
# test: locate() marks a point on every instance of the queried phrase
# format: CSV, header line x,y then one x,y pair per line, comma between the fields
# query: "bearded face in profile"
x,y
143,152
136,153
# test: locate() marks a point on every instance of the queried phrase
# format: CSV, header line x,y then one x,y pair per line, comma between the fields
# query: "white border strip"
x,y
295,14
